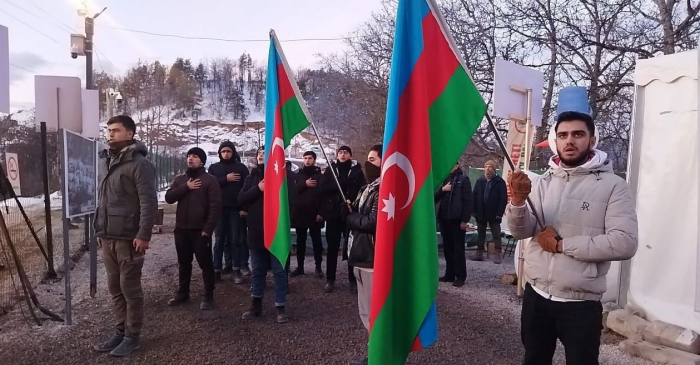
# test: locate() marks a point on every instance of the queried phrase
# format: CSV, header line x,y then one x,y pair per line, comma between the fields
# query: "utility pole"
x,y
83,45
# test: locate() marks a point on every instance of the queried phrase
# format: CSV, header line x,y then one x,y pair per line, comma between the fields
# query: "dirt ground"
x,y
478,323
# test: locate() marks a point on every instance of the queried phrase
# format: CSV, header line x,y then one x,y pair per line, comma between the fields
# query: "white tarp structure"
x,y
664,173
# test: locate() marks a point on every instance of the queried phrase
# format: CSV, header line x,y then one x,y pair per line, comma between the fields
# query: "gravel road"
x,y
478,323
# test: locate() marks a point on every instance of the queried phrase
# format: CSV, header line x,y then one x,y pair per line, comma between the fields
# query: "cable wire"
x,y
30,26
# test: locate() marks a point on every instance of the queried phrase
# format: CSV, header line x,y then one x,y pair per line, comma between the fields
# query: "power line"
x,y
52,22
221,39
22,68
36,30
98,58
68,27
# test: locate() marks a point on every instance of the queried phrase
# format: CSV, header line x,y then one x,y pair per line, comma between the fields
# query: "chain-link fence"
x,y
26,216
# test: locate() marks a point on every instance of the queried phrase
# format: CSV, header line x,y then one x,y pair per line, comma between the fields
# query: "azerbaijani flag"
x,y
433,110
285,116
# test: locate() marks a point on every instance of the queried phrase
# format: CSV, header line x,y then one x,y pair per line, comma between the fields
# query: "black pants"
x,y
453,248
495,226
335,230
188,243
578,326
315,233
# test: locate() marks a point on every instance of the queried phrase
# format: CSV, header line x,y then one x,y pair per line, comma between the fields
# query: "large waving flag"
x,y
433,110
285,116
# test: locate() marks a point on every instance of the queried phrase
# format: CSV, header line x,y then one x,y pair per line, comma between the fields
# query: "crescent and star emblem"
x,y
278,142
402,162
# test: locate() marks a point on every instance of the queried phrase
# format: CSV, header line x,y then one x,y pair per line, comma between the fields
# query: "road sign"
x,y
12,164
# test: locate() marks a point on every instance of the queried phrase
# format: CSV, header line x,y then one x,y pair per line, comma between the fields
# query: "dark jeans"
x,y
188,243
453,248
315,233
261,261
578,326
231,244
335,229
495,226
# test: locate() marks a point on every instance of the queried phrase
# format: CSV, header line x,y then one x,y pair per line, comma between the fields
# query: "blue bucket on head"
x,y
573,99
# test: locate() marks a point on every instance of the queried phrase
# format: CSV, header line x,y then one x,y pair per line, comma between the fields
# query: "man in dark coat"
x,y
229,245
306,217
490,200
351,179
198,199
454,210
126,211
251,199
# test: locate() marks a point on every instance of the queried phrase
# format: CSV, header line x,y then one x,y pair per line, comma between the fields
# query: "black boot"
x,y
208,302
180,297
110,344
255,309
319,272
297,272
281,315
217,276
128,345
237,277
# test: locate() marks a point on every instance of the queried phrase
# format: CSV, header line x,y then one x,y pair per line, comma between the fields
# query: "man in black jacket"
x,y
306,217
126,212
490,200
454,209
362,223
229,245
251,199
351,179
198,199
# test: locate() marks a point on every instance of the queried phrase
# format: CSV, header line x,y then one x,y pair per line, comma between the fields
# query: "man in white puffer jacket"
x,y
590,220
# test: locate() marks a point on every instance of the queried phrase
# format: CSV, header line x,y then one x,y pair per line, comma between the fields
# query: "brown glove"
x,y
548,240
520,187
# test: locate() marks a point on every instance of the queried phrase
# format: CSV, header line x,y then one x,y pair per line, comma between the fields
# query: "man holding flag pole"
x,y
433,110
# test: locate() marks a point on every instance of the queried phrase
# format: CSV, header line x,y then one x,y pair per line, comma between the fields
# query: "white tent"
x,y
664,174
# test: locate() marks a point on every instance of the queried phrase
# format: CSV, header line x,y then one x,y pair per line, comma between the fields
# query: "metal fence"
x,y
40,258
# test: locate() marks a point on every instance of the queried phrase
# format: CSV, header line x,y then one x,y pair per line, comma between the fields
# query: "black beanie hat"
x,y
199,153
310,153
345,148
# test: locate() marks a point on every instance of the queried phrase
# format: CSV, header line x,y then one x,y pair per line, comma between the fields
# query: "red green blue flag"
x,y
433,110
285,116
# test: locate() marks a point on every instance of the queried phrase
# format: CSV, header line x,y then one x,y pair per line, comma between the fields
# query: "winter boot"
x,y
479,256
255,309
227,270
237,277
281,315
217,276
110,344
208,302
330,287
180,297
319,272
245,271
497,256
128,345
297,272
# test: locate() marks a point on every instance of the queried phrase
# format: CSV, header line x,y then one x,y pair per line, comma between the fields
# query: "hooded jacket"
x,y
362,223
229,189
309,199
592,209
128,202
351,179
251,199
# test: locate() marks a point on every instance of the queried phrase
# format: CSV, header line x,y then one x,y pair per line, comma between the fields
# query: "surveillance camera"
x,y
119,98
74,55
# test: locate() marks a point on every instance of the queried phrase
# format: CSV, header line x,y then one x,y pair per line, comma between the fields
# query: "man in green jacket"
x,y
589,219
126,212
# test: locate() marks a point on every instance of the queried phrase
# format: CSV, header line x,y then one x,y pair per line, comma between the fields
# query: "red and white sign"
x,y
12,165
515,145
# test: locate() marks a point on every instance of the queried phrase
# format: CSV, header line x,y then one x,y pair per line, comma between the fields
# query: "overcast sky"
x,y
45,50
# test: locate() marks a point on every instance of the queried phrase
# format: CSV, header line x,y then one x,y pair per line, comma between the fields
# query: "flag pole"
x,y
511,164
304,108
323,150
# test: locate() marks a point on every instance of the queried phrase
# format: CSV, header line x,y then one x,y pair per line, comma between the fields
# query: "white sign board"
x,y
58,102
4,70
508,102
91,113
12,167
